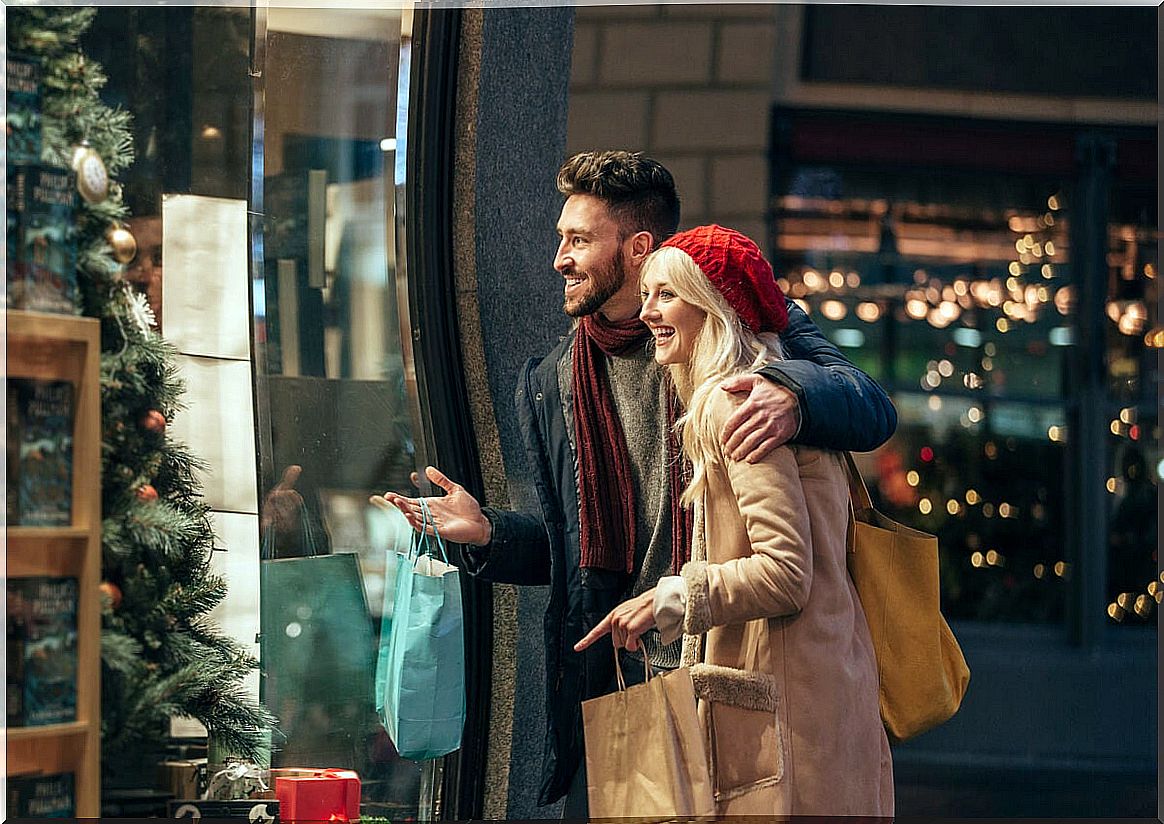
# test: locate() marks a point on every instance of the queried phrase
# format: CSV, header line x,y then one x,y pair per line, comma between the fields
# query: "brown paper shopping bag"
x,y
645,751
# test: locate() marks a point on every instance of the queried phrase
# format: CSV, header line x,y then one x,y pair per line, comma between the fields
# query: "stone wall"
x,y
690,85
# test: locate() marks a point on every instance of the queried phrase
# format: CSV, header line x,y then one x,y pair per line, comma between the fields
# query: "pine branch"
x,y
162,656
185,603
119,652
205,633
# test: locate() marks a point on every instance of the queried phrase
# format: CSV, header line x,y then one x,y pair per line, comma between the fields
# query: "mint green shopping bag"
x,y
420,677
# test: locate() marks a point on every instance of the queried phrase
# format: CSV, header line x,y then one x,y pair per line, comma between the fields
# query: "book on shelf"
x,y
41,239
22,118
12,457
42,796
39,452
42,650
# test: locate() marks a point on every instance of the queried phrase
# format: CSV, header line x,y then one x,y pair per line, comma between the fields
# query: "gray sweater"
x,y
640,400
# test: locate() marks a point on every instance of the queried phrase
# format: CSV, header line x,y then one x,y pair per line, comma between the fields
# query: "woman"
x,y
786,672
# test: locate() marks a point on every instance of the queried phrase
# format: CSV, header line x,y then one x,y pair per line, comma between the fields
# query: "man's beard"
x,y
604,284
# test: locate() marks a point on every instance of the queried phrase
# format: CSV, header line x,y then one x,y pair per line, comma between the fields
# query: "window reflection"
x,y
332,393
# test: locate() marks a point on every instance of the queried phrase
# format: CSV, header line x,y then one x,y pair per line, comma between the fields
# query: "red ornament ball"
x,y
145,492
154,421
110,594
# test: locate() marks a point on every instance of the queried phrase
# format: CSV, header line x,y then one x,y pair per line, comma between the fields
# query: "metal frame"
x,y
424,198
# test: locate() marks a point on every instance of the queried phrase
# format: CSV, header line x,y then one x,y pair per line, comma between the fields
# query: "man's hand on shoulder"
x,y
768,418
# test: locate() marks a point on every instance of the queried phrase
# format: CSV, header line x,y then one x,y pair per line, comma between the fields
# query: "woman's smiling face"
x,y
674,322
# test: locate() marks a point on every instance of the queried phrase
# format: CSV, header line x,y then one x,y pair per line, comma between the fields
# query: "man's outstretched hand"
x,y
456,515
283,505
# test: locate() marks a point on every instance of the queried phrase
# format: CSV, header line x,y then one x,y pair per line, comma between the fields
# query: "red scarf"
x,y
606,490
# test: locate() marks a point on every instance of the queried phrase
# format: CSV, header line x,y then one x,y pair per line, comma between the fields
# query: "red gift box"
x,y
326,795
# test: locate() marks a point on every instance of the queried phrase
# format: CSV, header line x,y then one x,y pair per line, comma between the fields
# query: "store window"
x,y
939,257
279,125
335,414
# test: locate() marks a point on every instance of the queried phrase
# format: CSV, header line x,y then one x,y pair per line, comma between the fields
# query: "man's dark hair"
x,y
639,191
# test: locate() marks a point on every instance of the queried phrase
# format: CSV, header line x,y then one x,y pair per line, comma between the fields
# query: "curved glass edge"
x,y
409,330
429,803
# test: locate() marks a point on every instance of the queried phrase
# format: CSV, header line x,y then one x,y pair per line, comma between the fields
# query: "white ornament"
x,y
143,315
92,177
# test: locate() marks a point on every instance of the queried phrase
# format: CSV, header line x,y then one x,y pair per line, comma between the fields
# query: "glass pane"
x,y
1134,458
186,82
954,291
335,425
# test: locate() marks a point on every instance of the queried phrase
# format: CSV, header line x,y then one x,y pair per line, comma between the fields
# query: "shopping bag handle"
x,y
618,669
426,521
267,544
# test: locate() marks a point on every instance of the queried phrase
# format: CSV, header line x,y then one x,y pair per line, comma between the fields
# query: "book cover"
x,y
12,458
42,623
22,119
42,796
14,669
40,419
41,239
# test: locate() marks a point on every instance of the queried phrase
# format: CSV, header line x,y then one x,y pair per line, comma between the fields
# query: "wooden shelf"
x,y
56,551
48,731
63,347
47,533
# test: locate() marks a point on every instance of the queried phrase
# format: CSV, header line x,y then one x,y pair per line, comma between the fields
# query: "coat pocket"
x,y
745,742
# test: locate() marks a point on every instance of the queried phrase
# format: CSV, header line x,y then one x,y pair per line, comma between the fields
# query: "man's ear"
x,y
641,245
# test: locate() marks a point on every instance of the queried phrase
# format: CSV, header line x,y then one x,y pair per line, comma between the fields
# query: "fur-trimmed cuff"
x,y
747,689
697,619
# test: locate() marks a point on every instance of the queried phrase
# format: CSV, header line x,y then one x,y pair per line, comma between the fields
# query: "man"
x,y
595,416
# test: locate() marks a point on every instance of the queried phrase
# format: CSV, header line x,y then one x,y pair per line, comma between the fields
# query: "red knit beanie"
x,y
734,265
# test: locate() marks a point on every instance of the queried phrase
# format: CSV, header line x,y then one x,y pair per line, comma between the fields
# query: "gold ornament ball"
x,y
123,243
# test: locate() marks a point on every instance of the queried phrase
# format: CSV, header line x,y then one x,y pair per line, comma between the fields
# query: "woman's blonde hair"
x,y
723,347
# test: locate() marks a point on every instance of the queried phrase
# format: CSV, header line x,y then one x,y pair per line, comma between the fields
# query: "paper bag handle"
x,y
618,670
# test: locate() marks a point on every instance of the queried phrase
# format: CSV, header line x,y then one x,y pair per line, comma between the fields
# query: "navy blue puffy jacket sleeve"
x,y
840,406
518,553
519,549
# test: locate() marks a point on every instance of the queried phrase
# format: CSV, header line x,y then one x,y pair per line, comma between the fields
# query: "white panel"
x,y
218,426
238,614
206,286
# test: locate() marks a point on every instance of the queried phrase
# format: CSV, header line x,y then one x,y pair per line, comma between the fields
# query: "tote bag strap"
x,y
858,492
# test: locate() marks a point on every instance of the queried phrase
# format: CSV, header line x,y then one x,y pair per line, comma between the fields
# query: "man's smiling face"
x,y
590,255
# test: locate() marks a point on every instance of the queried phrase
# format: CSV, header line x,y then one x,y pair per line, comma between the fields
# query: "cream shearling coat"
x,y
787,682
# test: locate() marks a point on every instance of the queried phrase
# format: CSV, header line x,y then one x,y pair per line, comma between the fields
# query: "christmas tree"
x,y
161,655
